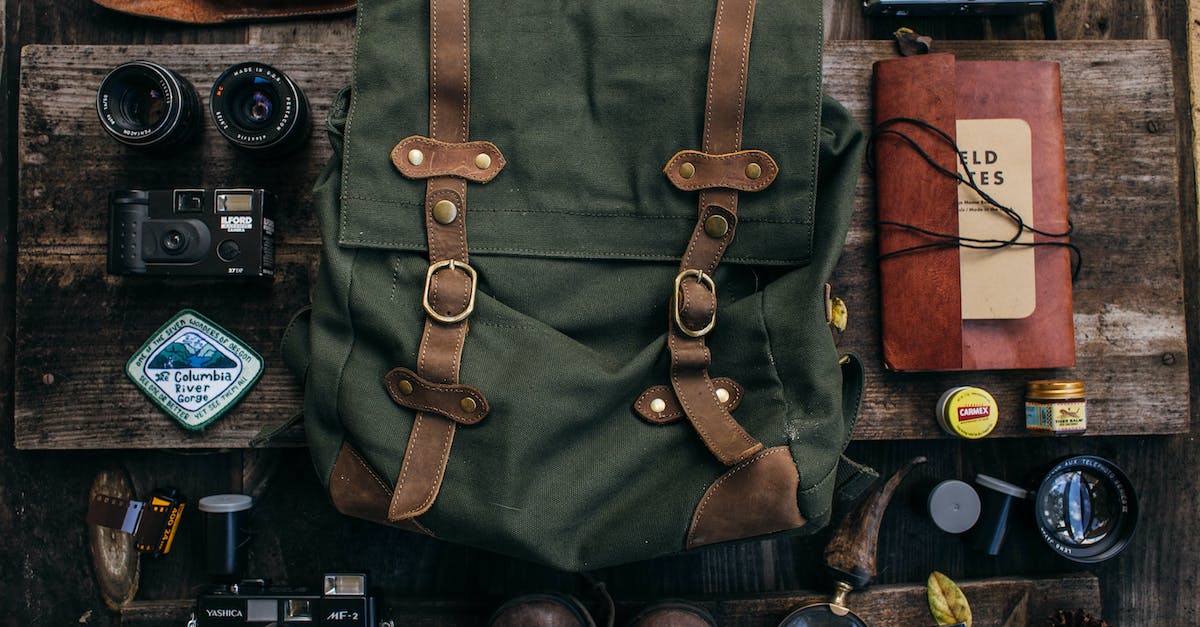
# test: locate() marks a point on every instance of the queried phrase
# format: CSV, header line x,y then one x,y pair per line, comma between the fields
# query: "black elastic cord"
x,y
950,240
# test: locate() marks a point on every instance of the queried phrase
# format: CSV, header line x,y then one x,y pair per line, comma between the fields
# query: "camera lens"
x,y
173,241
259,108
142,103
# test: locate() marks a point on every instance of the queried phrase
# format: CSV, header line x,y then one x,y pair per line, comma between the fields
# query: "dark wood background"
x,y
47,578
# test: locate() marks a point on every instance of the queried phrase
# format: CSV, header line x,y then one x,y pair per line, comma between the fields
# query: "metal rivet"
x,y
483,161
405,387
468,405
753,171
687,170
658,405
444,212
723,395
716,226
416,157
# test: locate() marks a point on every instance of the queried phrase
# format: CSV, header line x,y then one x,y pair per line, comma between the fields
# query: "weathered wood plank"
x,y
1122,165
994,603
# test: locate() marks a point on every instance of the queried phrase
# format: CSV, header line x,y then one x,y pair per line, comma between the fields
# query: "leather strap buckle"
x,y
704,279
449,264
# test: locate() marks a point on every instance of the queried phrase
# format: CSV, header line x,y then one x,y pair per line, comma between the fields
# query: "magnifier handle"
x,y
852,550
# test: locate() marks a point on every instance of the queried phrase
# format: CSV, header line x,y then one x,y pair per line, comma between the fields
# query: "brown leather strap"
x,y
450,287
694,300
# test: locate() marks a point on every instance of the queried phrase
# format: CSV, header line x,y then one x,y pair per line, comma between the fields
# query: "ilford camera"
x,y
343,600
192,232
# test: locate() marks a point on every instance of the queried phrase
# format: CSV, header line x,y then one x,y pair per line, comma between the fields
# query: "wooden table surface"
x,y
42,493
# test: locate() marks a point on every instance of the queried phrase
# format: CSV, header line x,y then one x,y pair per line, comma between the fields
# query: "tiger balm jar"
x,y
1055,406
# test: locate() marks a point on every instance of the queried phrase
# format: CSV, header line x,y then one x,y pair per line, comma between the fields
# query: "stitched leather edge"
x,y
452,393
712,173
455,159
725,514
674,411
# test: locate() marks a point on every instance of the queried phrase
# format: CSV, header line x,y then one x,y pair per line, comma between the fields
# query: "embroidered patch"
x,y
194,370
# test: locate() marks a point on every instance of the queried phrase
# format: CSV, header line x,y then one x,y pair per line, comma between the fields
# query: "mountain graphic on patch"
x,y
194,370
190,351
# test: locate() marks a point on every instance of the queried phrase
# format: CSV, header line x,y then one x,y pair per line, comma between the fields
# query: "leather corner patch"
x,y
756,497
357,490
671,411
419,157
744,171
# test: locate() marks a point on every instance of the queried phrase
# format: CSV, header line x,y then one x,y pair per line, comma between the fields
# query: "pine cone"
x,y
1073,618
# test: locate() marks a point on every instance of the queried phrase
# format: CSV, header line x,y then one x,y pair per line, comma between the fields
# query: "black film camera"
x,y
903,8
192,232
343,600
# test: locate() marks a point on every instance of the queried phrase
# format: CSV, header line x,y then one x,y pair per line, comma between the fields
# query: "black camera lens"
x,y
173,241
142,103
259,108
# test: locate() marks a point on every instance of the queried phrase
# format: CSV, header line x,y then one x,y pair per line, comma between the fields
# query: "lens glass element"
x,y
173,241
141,103
259,108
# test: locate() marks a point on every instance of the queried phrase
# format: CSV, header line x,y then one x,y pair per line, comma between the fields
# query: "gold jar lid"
x,y
1054,389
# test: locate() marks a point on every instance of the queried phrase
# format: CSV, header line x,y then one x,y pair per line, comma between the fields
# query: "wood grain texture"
x,y
1121,159
993,604
297,534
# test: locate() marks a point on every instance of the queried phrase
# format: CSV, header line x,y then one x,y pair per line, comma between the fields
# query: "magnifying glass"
x,y
850,558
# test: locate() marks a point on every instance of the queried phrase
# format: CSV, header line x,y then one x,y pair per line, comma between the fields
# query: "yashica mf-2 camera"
x,y
343,601
192,232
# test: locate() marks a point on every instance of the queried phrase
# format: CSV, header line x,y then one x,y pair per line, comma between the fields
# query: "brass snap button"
x,y
444,212
687,170
483,161
658,405
716,227
468,405
405,387
416,157
753,171
722,395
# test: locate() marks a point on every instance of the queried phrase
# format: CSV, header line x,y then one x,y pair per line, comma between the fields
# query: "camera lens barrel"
x,y
141,103
258,108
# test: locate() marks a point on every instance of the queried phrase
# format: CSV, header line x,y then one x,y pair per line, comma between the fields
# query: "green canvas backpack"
x,y
592,369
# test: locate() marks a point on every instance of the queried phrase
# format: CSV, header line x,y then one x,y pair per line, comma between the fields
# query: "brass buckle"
x,y
449,264
712,287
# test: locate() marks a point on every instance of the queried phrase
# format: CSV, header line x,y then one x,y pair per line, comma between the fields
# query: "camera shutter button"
x,y
228,250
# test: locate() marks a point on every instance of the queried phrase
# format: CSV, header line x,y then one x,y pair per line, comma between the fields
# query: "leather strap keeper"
x,y
419,157
745,171
461,403
671,411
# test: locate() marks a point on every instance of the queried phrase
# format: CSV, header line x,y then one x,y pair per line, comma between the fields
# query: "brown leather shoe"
x,y
673,614
218,11
542,610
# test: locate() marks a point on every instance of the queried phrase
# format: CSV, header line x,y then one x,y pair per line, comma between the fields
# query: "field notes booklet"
x,y
944,307
996,283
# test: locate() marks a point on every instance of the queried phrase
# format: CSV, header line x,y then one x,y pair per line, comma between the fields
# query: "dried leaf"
x,y
840,315
946,602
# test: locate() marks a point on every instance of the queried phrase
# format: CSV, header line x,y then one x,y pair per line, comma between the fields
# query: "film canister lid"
x,y
225,503
1003,487
954,506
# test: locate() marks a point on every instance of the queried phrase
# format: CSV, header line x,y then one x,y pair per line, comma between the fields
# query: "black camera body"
x,y
902,8
342,602
192,232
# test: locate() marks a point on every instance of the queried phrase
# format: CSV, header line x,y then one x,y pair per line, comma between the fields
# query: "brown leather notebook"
x,y
922,292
